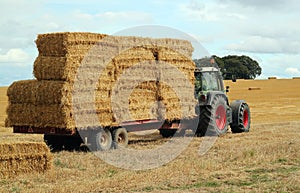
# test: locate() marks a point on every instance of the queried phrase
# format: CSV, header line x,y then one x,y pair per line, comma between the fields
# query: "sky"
x,y
267,31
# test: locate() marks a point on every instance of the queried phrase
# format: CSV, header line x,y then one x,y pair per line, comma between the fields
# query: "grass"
x,y
267,159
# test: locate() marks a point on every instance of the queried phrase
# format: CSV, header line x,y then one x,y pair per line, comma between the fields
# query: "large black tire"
x,y
101,140
120,137
241,118
213,118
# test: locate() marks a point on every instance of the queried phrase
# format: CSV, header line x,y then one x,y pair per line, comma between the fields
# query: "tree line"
x,y
239,67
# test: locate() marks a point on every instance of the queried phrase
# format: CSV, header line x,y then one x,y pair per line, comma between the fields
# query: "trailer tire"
x,y
120,137
101,140
213,118
241,118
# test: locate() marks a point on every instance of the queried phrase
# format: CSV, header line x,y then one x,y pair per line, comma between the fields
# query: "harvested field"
x,y
267,159
277,100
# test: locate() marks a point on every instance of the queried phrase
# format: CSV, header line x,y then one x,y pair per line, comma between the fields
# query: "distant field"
x,y
274,101
267,159
3,104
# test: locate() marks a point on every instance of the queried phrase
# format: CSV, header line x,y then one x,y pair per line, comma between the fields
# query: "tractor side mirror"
x,y
227,89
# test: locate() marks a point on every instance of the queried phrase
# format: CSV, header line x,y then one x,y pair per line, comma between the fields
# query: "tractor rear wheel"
x,y
213,118
241,118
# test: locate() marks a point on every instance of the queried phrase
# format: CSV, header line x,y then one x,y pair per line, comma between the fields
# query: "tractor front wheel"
x,y
241,118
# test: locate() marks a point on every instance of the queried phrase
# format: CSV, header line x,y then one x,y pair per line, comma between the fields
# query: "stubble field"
x,y
267,159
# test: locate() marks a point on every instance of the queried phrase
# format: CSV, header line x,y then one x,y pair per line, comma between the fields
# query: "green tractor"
x,y
214,110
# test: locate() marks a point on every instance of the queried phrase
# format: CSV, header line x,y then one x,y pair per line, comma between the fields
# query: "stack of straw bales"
x,y
48,101
18,158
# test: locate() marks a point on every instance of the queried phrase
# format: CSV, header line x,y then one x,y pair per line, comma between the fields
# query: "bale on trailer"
x,y
65,72
24,157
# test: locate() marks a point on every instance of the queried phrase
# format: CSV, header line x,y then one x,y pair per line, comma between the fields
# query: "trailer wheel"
x,y
101,141
120,137
241,118
213,118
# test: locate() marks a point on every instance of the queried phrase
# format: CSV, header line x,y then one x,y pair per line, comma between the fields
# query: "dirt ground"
x,y
267,159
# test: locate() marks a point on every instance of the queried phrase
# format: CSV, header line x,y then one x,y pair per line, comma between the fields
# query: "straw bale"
x,y
56,68
178,45
24,157
66,68
66,43
58,116
40,115
272,78
40,92
169,53
176,105
181,46
23,91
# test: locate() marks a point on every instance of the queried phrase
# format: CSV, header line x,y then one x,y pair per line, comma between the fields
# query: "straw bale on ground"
x,y
24,157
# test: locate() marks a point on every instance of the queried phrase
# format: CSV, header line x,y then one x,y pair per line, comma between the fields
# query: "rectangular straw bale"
x,y
66,43
167,53
40,116
24,157
56,68
23,91
66,68
187,69
142,101
177,45
183,46
135,53
40,92
178,105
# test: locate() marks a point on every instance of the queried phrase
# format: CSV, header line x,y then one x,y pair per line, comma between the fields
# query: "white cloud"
x,y
293,71
16,56
257,44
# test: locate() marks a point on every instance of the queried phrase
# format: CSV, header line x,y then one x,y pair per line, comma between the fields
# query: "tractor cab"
x,y
208,79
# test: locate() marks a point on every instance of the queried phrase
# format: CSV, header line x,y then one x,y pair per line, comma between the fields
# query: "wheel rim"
x,y
246,118
220,117
121,138
104,140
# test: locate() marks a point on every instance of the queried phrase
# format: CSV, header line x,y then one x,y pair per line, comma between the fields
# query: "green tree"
x,y
242,67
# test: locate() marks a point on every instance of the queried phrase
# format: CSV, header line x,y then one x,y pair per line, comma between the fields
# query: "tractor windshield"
x,y
208,81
